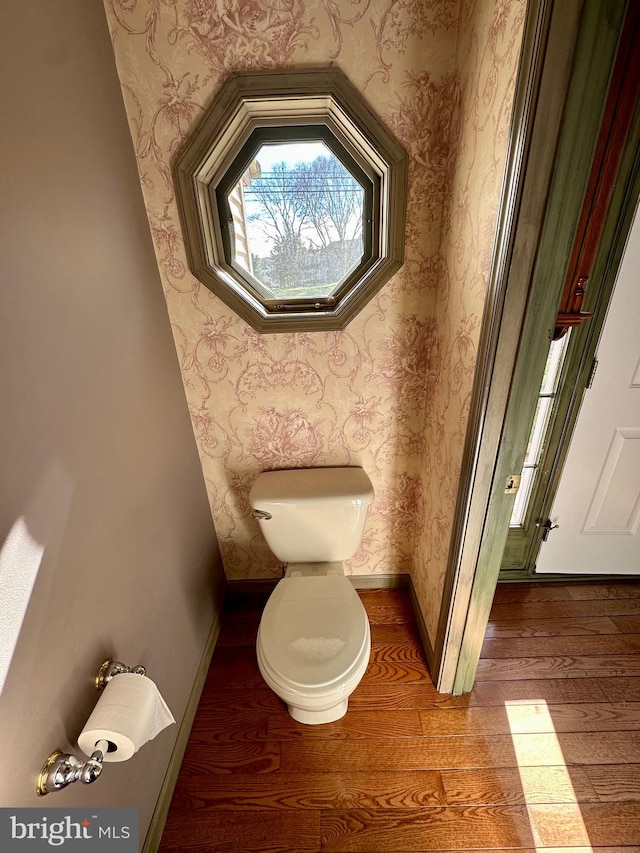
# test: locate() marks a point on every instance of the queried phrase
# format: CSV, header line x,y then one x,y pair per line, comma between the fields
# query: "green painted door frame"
x,y
568,54
523,543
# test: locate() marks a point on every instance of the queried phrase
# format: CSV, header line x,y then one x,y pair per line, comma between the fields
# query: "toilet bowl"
x,y
314,639
313,644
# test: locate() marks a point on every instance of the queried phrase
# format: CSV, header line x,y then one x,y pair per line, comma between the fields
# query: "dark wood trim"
x,y
616,122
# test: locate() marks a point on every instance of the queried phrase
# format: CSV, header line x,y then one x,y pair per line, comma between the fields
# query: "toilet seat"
x,y
314,634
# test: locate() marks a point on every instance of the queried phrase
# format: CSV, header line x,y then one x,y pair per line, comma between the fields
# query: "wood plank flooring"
x,y
542,755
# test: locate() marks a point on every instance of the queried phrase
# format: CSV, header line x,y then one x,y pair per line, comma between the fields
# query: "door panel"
x,y
615,508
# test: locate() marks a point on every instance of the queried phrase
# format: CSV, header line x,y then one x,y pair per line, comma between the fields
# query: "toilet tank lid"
x,y
312,485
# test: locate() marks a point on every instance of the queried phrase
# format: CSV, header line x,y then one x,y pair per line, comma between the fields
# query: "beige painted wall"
x,y
102,500
391,391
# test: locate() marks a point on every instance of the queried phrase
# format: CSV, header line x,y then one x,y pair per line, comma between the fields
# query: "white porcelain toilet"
x,y
314,639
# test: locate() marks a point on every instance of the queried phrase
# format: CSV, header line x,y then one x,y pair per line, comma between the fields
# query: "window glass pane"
x,y
297,214
522,497
543,410
546,400
555,359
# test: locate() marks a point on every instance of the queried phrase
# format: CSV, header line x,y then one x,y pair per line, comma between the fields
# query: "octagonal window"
x,y
296,214
292,205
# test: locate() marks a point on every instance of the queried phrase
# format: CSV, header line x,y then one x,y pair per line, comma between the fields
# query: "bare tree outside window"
x,y
303,219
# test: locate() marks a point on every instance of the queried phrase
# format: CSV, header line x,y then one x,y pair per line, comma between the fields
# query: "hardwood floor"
x,y
542,755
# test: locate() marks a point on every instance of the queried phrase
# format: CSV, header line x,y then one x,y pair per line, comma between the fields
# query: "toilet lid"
x,y
313,630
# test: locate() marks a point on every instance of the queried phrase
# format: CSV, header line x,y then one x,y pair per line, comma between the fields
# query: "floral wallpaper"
x,y
391,391
489,43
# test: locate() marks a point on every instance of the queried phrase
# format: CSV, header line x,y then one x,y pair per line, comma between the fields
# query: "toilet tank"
x,y
316,514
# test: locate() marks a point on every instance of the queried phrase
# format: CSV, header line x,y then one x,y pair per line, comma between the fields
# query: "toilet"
x,y
314,639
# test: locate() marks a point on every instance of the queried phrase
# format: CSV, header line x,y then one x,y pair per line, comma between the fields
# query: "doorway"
x,y
546,496
554,477
594,520
568,56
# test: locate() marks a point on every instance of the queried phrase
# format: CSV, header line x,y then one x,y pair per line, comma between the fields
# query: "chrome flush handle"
x,y
261,515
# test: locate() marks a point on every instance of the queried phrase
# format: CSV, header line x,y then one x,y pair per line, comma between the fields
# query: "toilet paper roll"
x,y
129,713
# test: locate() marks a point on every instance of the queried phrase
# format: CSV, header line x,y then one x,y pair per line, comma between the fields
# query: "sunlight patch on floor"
x,y
552,805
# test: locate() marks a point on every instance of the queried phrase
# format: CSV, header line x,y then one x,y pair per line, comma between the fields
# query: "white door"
x,y
597,505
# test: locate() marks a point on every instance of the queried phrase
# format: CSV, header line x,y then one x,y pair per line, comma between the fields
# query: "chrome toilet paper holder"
x,y
62,769
110,668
